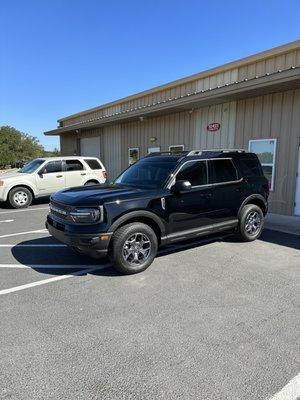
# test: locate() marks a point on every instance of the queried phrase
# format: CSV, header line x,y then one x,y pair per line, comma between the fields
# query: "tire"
x,y
20,197
127,254
251,223
90,183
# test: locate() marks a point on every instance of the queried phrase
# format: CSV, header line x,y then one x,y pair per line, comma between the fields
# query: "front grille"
x,y
60,210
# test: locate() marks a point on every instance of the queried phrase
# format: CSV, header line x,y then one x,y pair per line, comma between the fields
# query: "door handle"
x,y
83,173
59,176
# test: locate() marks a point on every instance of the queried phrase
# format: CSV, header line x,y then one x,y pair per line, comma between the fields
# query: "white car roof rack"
x,y
199,152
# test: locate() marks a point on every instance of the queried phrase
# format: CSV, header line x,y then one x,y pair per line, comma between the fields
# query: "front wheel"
x,y
20,197
134,247
251,223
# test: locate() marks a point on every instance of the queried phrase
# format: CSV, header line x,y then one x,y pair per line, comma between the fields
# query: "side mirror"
x,y
40,173
181,186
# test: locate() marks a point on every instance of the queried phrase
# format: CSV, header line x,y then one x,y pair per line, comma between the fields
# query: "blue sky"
x,y
59,57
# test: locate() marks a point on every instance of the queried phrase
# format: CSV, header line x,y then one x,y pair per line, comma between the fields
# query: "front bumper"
x,y
94,245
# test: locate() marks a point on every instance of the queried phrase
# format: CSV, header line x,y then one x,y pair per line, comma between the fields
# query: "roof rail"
x,y
199,152
157,153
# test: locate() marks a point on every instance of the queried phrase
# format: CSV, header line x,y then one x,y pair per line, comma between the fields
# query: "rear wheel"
x,y
134,247
251,223
90,183
20,197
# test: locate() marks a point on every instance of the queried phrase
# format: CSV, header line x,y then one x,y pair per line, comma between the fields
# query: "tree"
x,y
18,147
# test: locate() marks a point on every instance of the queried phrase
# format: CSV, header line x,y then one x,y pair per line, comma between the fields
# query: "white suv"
x,y
44,176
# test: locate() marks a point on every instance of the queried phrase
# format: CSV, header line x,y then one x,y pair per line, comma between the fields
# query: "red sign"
x,y
213,127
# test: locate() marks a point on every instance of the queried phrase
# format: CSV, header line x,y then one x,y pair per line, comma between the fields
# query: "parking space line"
x,y
6,221
45,266
291,391
24,233
33,245
50,280
25,210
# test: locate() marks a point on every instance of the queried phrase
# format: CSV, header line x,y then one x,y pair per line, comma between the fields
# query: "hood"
x,y
12,175
98,194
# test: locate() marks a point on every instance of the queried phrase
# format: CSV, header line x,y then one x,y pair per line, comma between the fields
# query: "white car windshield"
x,y
31,166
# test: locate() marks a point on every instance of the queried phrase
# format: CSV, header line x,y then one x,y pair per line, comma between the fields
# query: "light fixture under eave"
x,y
141,119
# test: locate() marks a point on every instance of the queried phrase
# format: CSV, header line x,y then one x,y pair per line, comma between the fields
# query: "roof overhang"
x,y
268,83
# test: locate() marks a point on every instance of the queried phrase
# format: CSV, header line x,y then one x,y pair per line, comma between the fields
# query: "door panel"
x,y
52,178
74,172
228,190
194,209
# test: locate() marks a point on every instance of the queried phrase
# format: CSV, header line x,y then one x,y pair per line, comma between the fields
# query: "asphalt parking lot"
x,y
210,320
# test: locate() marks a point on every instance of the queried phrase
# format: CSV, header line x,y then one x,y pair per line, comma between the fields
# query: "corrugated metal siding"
x,y
159,96
68,144
111,150
274,116
270,65
90,116
219,79
224,114
177,128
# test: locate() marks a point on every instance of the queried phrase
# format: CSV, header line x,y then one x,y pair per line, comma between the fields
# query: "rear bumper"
x,y
94,245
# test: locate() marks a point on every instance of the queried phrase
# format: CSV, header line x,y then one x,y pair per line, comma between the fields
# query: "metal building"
x,y
252,103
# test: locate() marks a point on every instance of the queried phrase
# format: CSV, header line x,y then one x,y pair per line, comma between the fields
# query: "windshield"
x,y
147,173
31,166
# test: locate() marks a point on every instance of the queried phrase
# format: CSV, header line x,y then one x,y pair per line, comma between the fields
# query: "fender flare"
x,y
253,197
138,214
13,185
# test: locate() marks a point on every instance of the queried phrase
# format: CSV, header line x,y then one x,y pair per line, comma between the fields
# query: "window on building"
x,y
153,150
222,170
93,164
52,167
193,171
265,149
176,148
73,165
133,155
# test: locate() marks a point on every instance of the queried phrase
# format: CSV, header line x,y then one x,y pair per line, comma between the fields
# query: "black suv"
x,y
162,198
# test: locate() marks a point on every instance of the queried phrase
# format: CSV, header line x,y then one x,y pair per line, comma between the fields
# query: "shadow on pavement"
x,y
31,253
281,238
40,201
44,259
275,237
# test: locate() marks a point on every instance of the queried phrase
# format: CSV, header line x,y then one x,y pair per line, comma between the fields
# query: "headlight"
x,y
87,215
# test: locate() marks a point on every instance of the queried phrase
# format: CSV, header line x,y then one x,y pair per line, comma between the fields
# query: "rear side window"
x,y
73,165
222,171
250,167
93,164
195,172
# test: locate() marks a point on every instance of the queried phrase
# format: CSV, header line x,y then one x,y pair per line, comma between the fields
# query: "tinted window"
x,y
93,164
52,166
222,171
73,165
148,172
194,172
250,167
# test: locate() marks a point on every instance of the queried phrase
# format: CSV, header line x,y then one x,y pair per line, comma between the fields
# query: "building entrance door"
x,y
297,196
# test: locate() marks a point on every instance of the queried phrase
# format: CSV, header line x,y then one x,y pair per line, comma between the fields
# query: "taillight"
x,y
104,173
